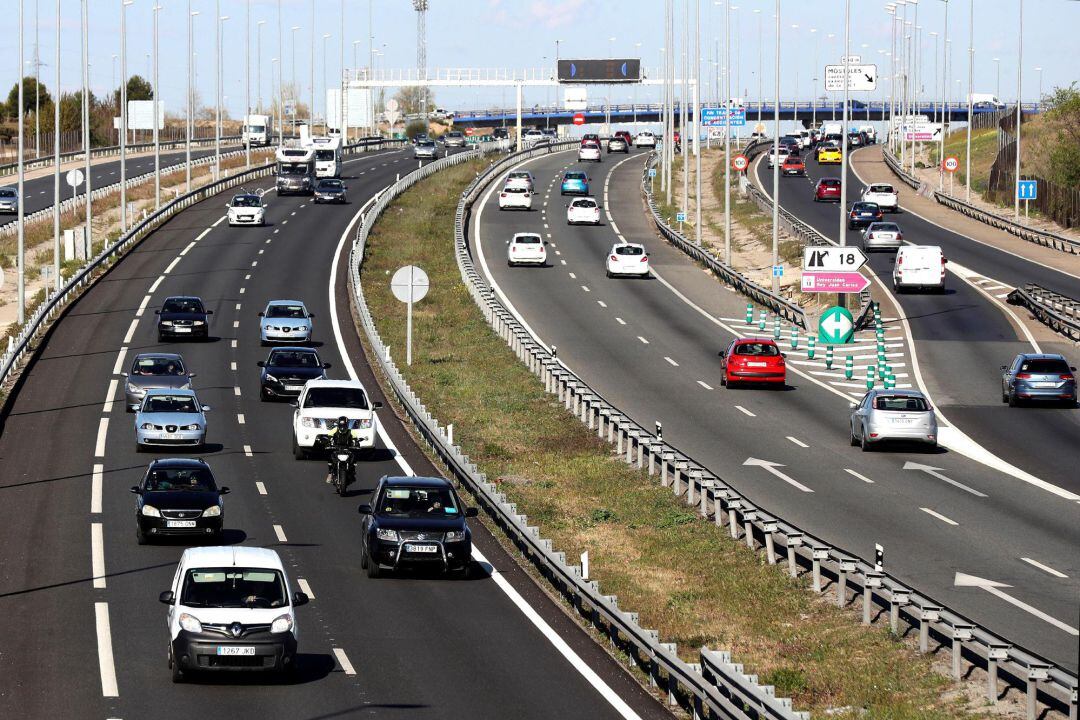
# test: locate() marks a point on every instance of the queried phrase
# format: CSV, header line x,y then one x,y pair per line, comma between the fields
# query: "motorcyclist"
x,y
340,439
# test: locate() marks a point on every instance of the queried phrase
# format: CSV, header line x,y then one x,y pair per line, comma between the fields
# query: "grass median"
x,y
685,577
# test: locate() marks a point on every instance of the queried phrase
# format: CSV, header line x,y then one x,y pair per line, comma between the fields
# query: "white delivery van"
x,y
258,129
919,266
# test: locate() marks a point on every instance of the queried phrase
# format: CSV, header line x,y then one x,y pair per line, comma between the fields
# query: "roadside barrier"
x,y
47,160
1058,312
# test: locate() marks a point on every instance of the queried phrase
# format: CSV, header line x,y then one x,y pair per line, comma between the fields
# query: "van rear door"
x,y
919,265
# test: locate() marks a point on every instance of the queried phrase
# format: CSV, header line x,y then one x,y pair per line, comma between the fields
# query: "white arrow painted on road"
x,y
994,588
771,467
936,472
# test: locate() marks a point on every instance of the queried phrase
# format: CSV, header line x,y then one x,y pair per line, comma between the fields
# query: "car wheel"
x,y
363,556
299,453
608,273
263,397
139,448
1004,397
140,536
854,440
373,569
177,673
864,443
464,573
1012,400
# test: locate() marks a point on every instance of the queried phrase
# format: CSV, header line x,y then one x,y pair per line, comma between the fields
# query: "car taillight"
x,y
1066,376
502,195
899,236
1023,376
644,258
614,258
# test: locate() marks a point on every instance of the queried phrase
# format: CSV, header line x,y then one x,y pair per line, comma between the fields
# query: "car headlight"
x,y
190,623
150,511
282,623
364,424
454,536
166,322
132,388
212,511
146,426
199,322
309,422
385,534
192,426
271,378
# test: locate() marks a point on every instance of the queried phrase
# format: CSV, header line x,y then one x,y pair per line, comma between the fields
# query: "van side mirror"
x,y
299,599
364,509
168,597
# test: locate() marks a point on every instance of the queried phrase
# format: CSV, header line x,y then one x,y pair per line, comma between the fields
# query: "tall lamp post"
x,y
971,80
217,92
776,154
190,96
123,113
1019,95
157,101
86,123
258,65
56,158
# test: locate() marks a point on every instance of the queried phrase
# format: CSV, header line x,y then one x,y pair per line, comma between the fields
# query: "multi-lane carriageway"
x,y
86,635
649,347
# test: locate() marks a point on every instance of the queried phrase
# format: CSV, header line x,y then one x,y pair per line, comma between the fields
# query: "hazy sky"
x,y
522,33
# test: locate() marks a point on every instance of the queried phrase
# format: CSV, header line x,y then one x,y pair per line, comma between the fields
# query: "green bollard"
x,y
794,337
890,381
776,328
849,367
761,321
810,342
870,372
749,314
828,357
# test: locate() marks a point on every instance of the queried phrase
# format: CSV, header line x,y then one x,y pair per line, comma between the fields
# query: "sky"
x,y
522,33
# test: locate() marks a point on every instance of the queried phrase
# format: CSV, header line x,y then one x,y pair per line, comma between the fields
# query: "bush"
x,y
416,127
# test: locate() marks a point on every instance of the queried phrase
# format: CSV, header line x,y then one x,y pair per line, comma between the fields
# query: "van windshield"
x,y
324,154
233,587
288,168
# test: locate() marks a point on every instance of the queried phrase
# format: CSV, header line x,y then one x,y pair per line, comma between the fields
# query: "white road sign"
x,y
409,284
851,59
75,177
860,77
836,259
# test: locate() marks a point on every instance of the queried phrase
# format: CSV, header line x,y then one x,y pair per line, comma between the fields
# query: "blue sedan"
x,y
575,182
170,417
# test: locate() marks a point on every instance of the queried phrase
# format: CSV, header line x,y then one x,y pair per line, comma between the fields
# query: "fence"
x,y
1058,312
47,160
1057,202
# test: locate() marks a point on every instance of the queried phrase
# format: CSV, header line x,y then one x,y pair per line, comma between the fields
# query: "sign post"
x,y
410,284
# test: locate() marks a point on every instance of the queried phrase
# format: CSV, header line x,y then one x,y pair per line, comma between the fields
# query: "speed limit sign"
x,y
951,164
740,163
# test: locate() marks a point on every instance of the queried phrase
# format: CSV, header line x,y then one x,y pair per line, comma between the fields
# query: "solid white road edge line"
x,y
105,652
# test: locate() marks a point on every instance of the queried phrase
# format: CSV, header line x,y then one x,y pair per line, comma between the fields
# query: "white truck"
x,y
327,156
985,100
258,129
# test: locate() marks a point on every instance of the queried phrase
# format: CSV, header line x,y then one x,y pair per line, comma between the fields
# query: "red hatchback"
x,y
827,189
793,165
752,360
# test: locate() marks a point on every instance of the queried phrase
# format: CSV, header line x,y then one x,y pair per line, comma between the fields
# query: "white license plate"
x,y
422,548
171,436
902,421
236,650
294,388
1044,384
181,329
179,523
755,364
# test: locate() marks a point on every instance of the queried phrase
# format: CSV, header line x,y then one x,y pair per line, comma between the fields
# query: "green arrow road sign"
x,y
836,326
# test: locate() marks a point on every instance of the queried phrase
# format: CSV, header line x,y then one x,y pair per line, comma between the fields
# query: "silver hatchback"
x,y
154,370
884,415
882,236
170,418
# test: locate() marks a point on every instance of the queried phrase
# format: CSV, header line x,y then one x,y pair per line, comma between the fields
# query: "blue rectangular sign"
x,y
680,217
1027,189
714,117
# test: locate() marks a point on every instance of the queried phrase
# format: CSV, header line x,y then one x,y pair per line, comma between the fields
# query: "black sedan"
x,y
330,190
416,521
863,214
178,497
286,369
183,317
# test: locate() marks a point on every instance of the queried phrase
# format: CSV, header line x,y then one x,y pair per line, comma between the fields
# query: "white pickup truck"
x,y
883,195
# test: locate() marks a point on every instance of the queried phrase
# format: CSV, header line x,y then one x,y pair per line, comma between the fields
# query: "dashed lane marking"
x,y
672,362
240,418
1044,568
744,411
601,303
305,588
236,392
105,653
109,395
343,661
865,479
705,385
142,306
96,477
797,441
120,357
154,287
131,331
620,321
280,533
97,555
247,448
643,340
260,487
939,516
102,433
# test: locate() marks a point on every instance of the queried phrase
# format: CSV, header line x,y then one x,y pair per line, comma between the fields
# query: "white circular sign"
x,y
392,105
740,162
409,278
75,177
952,163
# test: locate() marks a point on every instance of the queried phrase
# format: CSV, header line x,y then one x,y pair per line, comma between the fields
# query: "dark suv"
x,y
178,496
183,317
1033,376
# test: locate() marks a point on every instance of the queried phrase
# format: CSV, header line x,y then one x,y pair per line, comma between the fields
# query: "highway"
x,y
649,347
91,637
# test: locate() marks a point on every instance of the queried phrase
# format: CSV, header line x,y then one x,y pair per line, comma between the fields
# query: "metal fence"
x,y
47,160
1058,312
1059,203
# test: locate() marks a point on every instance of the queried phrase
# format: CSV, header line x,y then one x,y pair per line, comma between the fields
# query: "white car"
x,y
520,178
883,195
515,198
645,139
231,609
773,155
583,211
246,209
628,259
882,236
805,138
321,403
589,151
526,249
534,137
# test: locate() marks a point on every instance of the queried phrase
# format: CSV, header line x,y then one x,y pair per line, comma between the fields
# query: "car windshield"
x,y
900,403
170,404
864,207
519,176
324,154
157,366
587,204
757,349
628,250
527,240
426,144
417,502
330,185
197,479
881,189
246,201
285,311
293,358
1045,366
8,194
885,227
336,397
234,587
182,305
292,168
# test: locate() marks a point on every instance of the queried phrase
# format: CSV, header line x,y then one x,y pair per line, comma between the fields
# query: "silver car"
x,y
284,321
882,236
884,415
425,149
170,418
154,370
9,200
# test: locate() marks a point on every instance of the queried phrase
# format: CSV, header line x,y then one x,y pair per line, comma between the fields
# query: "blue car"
x,y
575,182
1034,376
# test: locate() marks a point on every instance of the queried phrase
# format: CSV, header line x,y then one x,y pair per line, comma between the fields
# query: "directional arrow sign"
x,y
834,282
836,326
859,77
936,472
846,258
994,588
771,467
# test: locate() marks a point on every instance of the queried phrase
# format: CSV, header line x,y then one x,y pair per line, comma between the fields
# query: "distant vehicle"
x,y
183,316
855,139
986,101
425,150
295,171
645,139
287,369
583,211
777,155
829,155
1034,376
793,165
832,128
625,135
754,136
330,190
534,137
327,156
617,144
170,418
590,138
321,403
870,132
285,321
862,214
416,521
551,133
627,259
246,209
893,415
419,138
882,236
883,195
9,200
752,360
589,151
154,370
500,133
574,182
440,114
919,266
231,609
827,190
515,197
805,139
520,178
526,249
178,497
258,129
454,138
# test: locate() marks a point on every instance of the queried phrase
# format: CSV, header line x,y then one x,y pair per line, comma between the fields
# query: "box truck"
x,y
258,129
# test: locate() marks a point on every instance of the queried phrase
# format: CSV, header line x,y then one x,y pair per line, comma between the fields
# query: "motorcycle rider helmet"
x,y
343,424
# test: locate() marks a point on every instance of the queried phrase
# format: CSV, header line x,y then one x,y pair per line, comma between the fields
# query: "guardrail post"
x,y
676,484
748,518
961,633
733,507
818,553
666,461
1036,673
692,479
619,434
846,565
794,540
768,527
641,443
897,599
871,581
603,418
706,488
927,615
652,457
995,653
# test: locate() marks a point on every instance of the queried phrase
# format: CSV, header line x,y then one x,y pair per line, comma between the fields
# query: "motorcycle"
x,y
343,468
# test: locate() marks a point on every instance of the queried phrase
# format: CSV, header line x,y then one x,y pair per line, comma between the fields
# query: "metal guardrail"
x,y
47,160
1058,312
1046,238
21,346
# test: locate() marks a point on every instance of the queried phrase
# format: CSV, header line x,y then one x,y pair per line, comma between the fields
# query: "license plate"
x,y
170,436
755,364
179,523
901,421
294,388
1044,384
236,650
182,329
422,548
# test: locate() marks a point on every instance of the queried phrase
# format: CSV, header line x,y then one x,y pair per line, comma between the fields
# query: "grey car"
x,y
170,418
9,200
154,370
1032,376
454,138
893,415
882,236
425,149
285,321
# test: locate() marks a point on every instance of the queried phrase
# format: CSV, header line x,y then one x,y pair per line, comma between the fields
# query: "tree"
x,y
29,84
416,127
138,88
413,100
1064,115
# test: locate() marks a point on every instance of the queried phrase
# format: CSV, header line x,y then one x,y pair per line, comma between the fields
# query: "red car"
x,y
752,360
625,135
827,189
793,165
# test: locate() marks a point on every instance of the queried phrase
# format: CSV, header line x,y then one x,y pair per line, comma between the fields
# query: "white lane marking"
x,y
284,222
1044,568
705,385
203,234
797,441
171,265
131,331
673,363
247,448
342,658
97,554
936,472
585,288
601,303
240,417
573,276
254,263
248,276
865,479
305,588
939,516
232,366
232,344
120,357
154,287
643,340
95,488
620,321
280,533
109,394
292,213
260,487
243,290
558,253
236,391
105,653
744,411
142,306
275,232
219,220
102,433
189,246
235,323
237,306
262,250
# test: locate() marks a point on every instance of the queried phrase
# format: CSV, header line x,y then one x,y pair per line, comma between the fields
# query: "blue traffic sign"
x,y
778,270
652,172
1027,189
680,217
714,117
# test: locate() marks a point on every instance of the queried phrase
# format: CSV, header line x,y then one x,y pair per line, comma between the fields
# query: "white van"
x,y
919,266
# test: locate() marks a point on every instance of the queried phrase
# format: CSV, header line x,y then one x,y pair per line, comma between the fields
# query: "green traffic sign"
x,y
836,326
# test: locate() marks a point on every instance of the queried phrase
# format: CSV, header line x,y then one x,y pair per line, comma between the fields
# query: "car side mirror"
x,y
191,375
1072,368
157,312
944,260
783,355
364,509
206,408
722,353
168,597
1003,367
209,312
295,403
326,366
135,489
262,314
261,363
376,405
224,490
852,405
299,599
134,407
310,315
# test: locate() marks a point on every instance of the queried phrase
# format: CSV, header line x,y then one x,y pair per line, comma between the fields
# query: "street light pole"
x,y
997,70
813,101
1019,95
56,157
86,121
944,98
21,250
326,107
727,135
245,125
295,89
776,154
311,71
844,132
157,100
258,65
760,50
123,113
190,97
971,81
217,91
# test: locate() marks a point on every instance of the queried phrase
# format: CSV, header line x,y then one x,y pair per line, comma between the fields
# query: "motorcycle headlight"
x,y
192,426
212,511
385,534
271,378
150,511
309,422
190,623
282,623
454,536
146,426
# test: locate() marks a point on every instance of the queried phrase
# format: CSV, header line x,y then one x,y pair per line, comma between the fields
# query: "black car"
x,y
862,214
500,133
419,137
330,190
183,317
286,369
177,497
416,521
